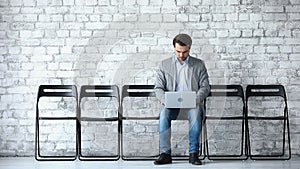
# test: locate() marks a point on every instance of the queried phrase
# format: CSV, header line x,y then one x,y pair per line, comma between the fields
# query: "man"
x,y
181,72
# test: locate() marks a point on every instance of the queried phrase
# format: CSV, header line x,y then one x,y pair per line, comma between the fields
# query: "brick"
x,y
247,33
128,10
243,17
91,2
26,18
30,3
231,17
222,33
293,16
196,2
52,42
208,2
285,49
106,10
47,25
280,17
218,17
56,10
292,41
36,74
14,50
223,9
4,3
271,41
235,33
272,9
182,2
295,2
221,25
272,49
182,18
94,25
295,57
284,33
3,50
147,9
60,18
233,2
106,18
292,9
259,49
255,17
41,58
246,25
66,50
71,25
155,3
39,50
169,18
22,26
68,2
16,3
258,33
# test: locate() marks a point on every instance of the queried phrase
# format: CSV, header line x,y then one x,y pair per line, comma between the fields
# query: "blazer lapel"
x,y
174,72
190,73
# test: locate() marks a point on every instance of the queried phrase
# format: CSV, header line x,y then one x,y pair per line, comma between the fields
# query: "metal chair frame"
x,y
54,91
136,91
111,91
227,91
269,91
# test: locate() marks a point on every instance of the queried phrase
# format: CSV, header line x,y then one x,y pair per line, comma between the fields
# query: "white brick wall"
x,y
121,41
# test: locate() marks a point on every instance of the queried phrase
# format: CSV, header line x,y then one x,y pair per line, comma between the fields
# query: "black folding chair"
x,y
226,91
142,91
55,91
263,115
99,91
135,91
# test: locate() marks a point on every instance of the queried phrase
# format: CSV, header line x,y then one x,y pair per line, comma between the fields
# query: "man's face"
x,y
182,52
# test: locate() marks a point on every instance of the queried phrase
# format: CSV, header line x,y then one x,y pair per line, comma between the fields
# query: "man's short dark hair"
x,y
182,40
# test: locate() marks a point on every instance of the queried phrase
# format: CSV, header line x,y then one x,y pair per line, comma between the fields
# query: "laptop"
x,y
185,99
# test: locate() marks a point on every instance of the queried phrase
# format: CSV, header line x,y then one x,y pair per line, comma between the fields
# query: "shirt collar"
x,y
186,60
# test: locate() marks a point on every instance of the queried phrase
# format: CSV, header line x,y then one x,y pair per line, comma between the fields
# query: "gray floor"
x,y
31,163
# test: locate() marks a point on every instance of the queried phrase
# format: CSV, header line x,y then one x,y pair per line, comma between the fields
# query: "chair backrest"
x,y
141,91
226,90
57,91
265,90
138,91
99,91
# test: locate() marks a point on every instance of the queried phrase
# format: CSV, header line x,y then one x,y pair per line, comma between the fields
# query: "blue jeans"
x,y
194,116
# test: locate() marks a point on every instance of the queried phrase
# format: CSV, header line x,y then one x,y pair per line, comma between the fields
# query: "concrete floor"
x,y
31,163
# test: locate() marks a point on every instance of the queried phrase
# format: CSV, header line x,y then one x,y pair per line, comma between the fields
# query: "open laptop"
x,y
185,99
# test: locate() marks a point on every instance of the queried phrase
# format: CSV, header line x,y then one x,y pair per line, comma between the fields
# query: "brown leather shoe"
x,y
163,159
194,159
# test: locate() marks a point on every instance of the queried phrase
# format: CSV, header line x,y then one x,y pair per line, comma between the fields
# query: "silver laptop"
x,y
186,99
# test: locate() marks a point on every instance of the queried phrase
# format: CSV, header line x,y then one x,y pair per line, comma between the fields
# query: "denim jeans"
x,y
194,116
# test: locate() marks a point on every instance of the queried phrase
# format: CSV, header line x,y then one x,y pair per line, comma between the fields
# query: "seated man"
x,y
181,72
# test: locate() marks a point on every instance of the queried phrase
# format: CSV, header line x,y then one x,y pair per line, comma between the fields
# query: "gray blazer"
x,y
166,78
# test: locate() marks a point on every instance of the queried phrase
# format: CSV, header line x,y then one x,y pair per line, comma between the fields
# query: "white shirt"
x,y
182,75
